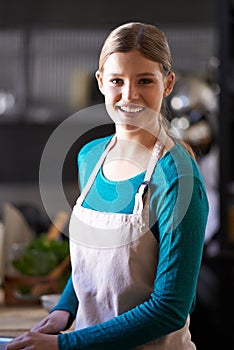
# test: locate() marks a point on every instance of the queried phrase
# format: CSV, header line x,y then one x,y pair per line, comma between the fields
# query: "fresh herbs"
x,y
41,256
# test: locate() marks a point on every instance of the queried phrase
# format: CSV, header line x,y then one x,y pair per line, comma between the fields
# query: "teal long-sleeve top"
x,y
178,216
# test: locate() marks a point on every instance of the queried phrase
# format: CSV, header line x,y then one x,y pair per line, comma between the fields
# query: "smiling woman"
x,y
135,251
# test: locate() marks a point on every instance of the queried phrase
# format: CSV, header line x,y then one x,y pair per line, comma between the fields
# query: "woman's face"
x,y
134,88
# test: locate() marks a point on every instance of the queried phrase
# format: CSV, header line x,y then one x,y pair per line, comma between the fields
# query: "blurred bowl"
x,y
49,301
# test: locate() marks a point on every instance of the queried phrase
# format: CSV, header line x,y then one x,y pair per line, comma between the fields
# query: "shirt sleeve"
x,y
180,251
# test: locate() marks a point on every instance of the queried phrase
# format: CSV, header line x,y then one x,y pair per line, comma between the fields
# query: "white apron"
x,y
114,260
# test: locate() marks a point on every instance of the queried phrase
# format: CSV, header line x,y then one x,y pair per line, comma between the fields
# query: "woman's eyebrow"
x,y
145,73
138,75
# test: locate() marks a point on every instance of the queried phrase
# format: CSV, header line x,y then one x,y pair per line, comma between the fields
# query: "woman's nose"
x,y
130,92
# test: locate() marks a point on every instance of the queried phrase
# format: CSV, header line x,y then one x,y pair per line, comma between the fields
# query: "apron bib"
x,y
114,260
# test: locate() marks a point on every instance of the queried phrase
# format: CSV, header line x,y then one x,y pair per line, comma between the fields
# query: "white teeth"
x,y
131,109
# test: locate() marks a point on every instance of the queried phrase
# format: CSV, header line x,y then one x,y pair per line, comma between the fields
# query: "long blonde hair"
x,y
152,43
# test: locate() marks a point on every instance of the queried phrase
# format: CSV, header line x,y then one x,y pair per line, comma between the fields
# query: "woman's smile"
x,y
131,109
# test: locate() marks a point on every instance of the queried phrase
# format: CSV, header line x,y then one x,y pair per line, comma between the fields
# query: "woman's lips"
x,y
130,108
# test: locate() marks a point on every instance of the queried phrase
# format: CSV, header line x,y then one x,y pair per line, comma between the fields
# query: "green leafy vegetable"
x,y
41,256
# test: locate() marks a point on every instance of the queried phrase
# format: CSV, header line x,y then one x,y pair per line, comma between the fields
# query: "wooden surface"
x,y
15,320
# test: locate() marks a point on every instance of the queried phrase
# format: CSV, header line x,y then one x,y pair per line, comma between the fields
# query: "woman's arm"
x,y
68,302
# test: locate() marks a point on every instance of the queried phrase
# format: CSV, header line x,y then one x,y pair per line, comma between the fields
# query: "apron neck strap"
x,y
96,169
144,186
157,150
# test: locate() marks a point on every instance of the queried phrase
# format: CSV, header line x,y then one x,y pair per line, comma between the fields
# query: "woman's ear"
x,y
98,76
170,81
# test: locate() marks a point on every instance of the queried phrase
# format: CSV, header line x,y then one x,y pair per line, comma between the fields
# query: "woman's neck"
x,y
130,154
137,137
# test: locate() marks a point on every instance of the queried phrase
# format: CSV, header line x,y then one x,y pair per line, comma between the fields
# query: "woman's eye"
x,y
145,81
116,81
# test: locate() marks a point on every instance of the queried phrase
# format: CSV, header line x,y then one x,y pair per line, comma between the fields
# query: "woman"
x,y
137,230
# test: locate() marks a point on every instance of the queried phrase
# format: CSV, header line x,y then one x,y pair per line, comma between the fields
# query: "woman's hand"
x,y
43,335
34,341
53,323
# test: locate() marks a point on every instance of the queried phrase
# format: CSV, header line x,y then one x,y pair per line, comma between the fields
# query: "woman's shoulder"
x,y
88,156
177,162
178,174
95,146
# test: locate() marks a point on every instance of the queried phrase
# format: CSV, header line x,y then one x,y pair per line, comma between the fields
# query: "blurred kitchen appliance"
x,y
194,107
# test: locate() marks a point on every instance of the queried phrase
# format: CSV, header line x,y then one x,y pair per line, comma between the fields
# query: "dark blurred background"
x,y
48,56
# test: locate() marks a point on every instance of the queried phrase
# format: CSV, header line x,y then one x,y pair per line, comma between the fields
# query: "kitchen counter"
x,y
17,320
